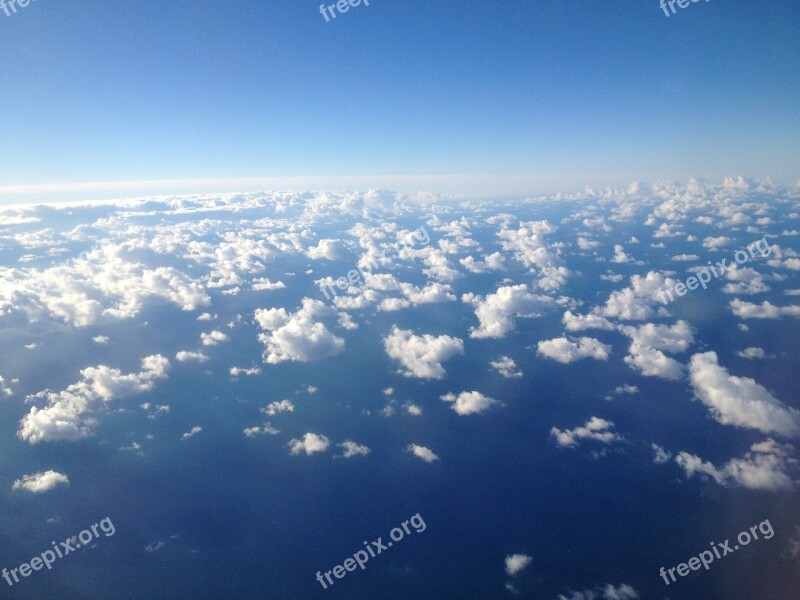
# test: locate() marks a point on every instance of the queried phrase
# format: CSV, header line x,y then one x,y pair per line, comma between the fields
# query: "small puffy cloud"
x,y
470,403
213,338
413,409
38,483
609,592
352,449
496,313
264,284
101,339
574,322
515,563
193,432
531,248
685,257
766,466
267,429
273,408
187,356
626,389
66,416
660,456
298,337
310,444
740,401
247,371
765,310
328,249
5,391
421,356
715,243
506,366
566,350
620,257
594,429
422,452
636,302
650,341
752,353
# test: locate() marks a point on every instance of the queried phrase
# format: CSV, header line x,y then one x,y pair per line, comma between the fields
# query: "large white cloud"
x,y
566,350
66,416
297,336
421,356
740,401
38,483
311,443
497,311
767,466
637,302
650,341
765,310
530,247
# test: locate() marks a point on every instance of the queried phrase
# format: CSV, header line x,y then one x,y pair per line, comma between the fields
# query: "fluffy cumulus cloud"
x,y
752,353
311,443
5,391
297,336
352,449
650,341
637,302
497,311
421,356
574,322
740,401
273,408
38,483
516,563
470,403
765,310
103,283
67,414
596,429
188,356
566,350
530,247
609,592
506,366
422,452
767,466
213,338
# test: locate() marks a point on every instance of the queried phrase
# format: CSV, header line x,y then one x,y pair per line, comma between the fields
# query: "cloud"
x,y
660,456
765,310
685,257
213,338
470,403
5,391
297,337
515,563
574,322
752,353
273,408
715,243
531,249
267,429
635,303
352,449
247,371
422,452
194,431
310,444
65,416
740,401
566,350
101,339
186,356
506,367
622,389
497,311
328,249
620,257
264,284
650,341
609,592
594,429
421,356
764,467
38,483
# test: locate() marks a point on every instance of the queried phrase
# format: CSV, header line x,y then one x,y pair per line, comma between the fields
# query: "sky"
x,y
459,97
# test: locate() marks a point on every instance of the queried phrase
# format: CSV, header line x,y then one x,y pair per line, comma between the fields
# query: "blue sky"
x,y
529,97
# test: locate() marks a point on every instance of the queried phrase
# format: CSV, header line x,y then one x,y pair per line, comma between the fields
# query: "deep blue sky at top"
x,y
596,91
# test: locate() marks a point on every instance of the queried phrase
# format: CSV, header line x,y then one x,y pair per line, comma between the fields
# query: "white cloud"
x,y
660,456
193,432
273,408
310,444
609,592
574,322
515,563
765,310
101,339
38,483
765,467
685,257
421,356
352,449
531,249
650,341
328,249
740,401
566,350
247,371
715,243
620,257
297,337
66,415
422,452
594,429
413,409
213,338
635,303
497,311
752,353
470,403
5,391
186,356
264,284
267,429
506,366
623,389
